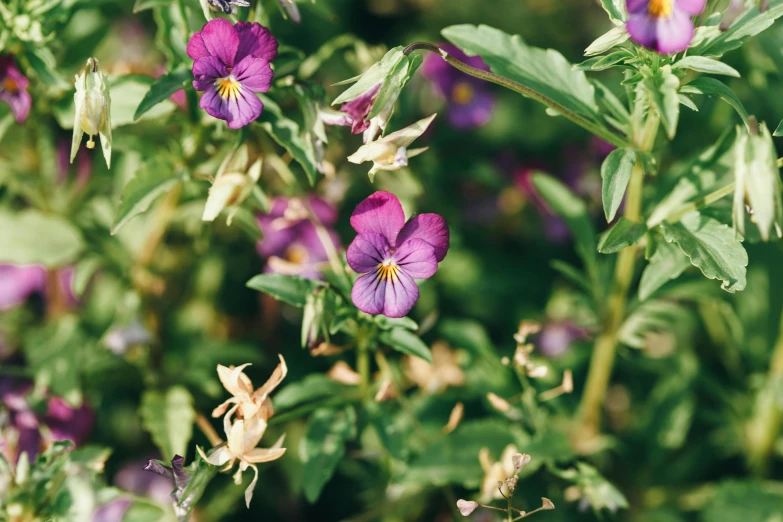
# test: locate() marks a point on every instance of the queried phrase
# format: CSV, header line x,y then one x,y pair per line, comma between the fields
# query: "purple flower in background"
x,y
231,65
470,102
291,243
556,337
390,254
664,26
177,477
18,283
13,89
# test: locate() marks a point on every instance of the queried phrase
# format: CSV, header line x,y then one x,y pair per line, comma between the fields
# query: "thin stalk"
x,y
705,201
363,366
766,424
602,361
206,428
580,120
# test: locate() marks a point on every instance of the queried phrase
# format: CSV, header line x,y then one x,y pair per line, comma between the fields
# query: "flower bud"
x,y
93,107
511,483
547,504
466,507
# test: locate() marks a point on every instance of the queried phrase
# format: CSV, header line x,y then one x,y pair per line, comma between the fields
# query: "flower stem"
x,y
206,428
605,349
481,74
363,365
766,424
707,200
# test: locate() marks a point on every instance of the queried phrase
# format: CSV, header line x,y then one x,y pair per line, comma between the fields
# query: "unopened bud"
x,y
466,507
233,184
498,403
546,503
92,110
520,460
511,483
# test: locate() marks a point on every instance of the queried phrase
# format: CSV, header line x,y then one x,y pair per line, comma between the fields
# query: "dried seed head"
x,y
498,403
546,503
511,483
466,507
537,372
526,329
520,460
454,418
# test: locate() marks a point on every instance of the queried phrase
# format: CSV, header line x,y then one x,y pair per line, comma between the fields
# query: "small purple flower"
x,y
18,283
13,89
390,254
231,64
664,26
354,113
556,337
291,243
470,101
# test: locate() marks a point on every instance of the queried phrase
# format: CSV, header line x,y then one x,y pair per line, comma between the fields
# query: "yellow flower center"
x,y
11,86
660,8
228,87
463,93
296,254
387,271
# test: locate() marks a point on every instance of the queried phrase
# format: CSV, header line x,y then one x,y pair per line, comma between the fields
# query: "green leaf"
x,y
667,263
162,89
601,63
127,94
43,63
323,446
706,65
168,417
622,235
143,5
287,134
376,74
574,211
712,247
615,175
314,387
749,24
387,323
599,491
735,501
713,87
201,474
31,237
614,37
143,511
544,71
616,10
407,342
289,289
151,181
662,89
388,429
83,272
55,355
779,131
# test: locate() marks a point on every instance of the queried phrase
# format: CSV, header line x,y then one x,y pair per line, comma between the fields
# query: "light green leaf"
x,y
151,181
713,87
374,75
162,89
749,24
388,429
143,511
601,63
685,100
407,342
127,94
31,237
712,247
614,37
168,417
574,211
622,235
55,354
314,387
323,446
615,175
662,89
779,131
667,263
544,71
287,134
44,64
289,289
616,10
83,272
387,323
706,65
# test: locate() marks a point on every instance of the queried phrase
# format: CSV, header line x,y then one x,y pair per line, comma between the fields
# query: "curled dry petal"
x,y
466,507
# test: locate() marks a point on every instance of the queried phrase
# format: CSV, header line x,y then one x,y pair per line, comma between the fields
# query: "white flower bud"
x,y
92,110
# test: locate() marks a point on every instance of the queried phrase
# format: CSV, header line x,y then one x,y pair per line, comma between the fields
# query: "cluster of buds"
x,y
245,417
92,110
510,465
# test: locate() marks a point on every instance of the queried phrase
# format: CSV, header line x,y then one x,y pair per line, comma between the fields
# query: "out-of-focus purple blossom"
x,y
470,102
13,88
112,511
291,244
18,283
83,165
291,9
390,253
134,478
665,26
557,337
231,64
174,476
30,431
119,339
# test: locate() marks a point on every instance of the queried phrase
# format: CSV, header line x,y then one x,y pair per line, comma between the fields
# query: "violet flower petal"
x,y
255,40
476,113
18,283
221,40
393,297
416,258
380,213
366,252
206,71
692,7
431,228
674,33
254,73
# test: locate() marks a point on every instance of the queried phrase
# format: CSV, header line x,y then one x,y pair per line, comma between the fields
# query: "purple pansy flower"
x,y
231,65
13,89
291,243
390,254
664,26
470,101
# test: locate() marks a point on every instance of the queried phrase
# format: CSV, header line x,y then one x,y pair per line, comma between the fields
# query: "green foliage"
x,y
324,446
713,87
615,174
293,290
162,89
667,263
407,342
622,235
168,417
152,180
32,237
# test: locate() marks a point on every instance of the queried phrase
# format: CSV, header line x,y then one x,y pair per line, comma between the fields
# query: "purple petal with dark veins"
x,y
366,252
431,228
417,258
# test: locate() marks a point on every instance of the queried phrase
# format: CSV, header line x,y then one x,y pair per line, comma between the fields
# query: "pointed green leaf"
x,y
779,131
323,446
622,235
616,10
162,89
407,342
712,247
706,65
662,89
287,134
753,22
168,417
667,263
614,37
31,237
151,181
713,87
615,175
289,289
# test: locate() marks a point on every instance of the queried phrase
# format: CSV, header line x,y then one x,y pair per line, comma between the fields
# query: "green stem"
x,y
583,122
705,201
765,426
363,365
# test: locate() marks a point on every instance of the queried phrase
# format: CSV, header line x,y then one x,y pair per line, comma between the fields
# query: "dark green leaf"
x,y
779,131
43,63
323,446
287,134
744,502
162,89
388,429
313,387
667,263
289,289
407,342
622,235
615,175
